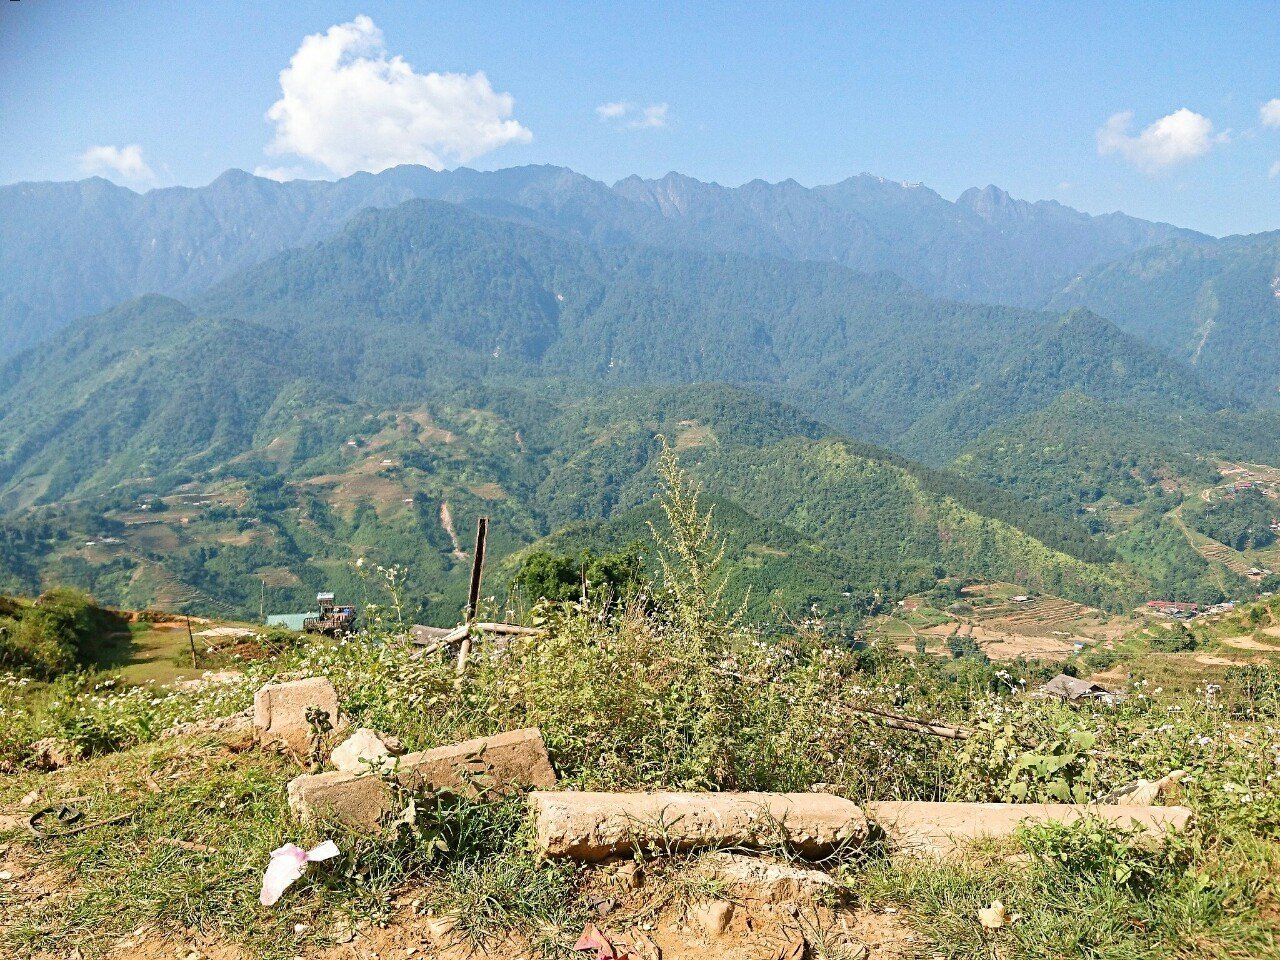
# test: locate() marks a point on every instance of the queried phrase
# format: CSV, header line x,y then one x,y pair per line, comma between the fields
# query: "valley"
x,y
555,507
494,368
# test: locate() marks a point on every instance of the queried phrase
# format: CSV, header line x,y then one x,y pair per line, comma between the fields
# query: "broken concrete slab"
x,y
497,765
753,878
595,826
938,829
365,750
280,712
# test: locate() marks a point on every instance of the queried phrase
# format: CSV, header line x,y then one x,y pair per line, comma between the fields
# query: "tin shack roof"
x,y
290,621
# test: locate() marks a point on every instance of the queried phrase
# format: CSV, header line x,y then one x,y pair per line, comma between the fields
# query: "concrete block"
x,y
753,878
280,712
363,750
595,826
938,829
498,765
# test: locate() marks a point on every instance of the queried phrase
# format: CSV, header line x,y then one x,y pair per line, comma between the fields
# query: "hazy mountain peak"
x,y
992,204
71,249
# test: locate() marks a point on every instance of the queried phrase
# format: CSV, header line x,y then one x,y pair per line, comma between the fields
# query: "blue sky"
x,y
1156,109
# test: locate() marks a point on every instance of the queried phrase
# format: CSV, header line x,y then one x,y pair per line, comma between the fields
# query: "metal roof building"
x,y
290,621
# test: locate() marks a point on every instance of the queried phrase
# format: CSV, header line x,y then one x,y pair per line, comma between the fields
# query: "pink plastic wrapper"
x,y
287,865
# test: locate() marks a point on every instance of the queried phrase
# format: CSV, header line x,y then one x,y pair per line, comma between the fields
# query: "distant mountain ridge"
x,y
74,249
407,304
338,396
1214,306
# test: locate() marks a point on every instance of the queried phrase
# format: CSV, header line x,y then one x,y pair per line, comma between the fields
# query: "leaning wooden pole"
x,y
192,641
473,594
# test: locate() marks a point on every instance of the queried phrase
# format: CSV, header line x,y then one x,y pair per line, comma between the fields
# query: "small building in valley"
x,y
1170,608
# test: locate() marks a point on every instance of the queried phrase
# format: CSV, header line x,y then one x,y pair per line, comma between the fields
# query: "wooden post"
x,y
192,641
473,595
477,569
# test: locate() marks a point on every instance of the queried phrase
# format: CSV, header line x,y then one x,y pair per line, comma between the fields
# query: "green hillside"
x,y
866,354
1139,479
812,518
373,394
1213,305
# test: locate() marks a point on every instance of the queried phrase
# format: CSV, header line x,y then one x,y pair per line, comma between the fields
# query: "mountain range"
x,y
327,370
73,249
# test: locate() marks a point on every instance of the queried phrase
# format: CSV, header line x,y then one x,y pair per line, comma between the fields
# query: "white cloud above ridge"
x,y
629,114
125,163
348,106
1181,136
611,111
284,174
654,115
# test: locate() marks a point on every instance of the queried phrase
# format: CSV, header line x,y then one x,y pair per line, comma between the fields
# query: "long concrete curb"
x,y
595,826
938,829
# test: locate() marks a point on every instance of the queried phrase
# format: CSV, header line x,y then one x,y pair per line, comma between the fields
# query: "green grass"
x,y
662,692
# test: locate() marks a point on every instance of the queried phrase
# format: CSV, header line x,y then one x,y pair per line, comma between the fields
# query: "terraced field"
x,y
1037,616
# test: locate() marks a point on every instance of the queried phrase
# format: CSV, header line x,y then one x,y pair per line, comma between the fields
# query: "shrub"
x,y
1254,691
1089,852
1102,659
563,577
965,648
1177,640
54,634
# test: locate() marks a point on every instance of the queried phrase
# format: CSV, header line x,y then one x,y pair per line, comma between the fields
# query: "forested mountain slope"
x,y
867,354
1215,306
408,303
819,519
72,249
379,390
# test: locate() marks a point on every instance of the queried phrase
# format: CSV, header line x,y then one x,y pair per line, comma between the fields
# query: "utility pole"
x,y
473,595
262,604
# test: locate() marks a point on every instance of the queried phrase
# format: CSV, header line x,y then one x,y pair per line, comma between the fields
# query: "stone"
x,y
752,878
1143,793
235,723
939,829
497,765
365,750
50,753
280,712
595,826
630,875
713,917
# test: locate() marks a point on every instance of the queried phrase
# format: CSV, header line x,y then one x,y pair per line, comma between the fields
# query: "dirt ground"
x,y
639,925
1248,643
750,936
1005,645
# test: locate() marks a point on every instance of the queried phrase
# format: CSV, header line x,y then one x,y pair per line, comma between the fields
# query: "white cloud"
x,y
347,106
1182,135
283,174
126,163
612,111
1275,170
1269,113
653,116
